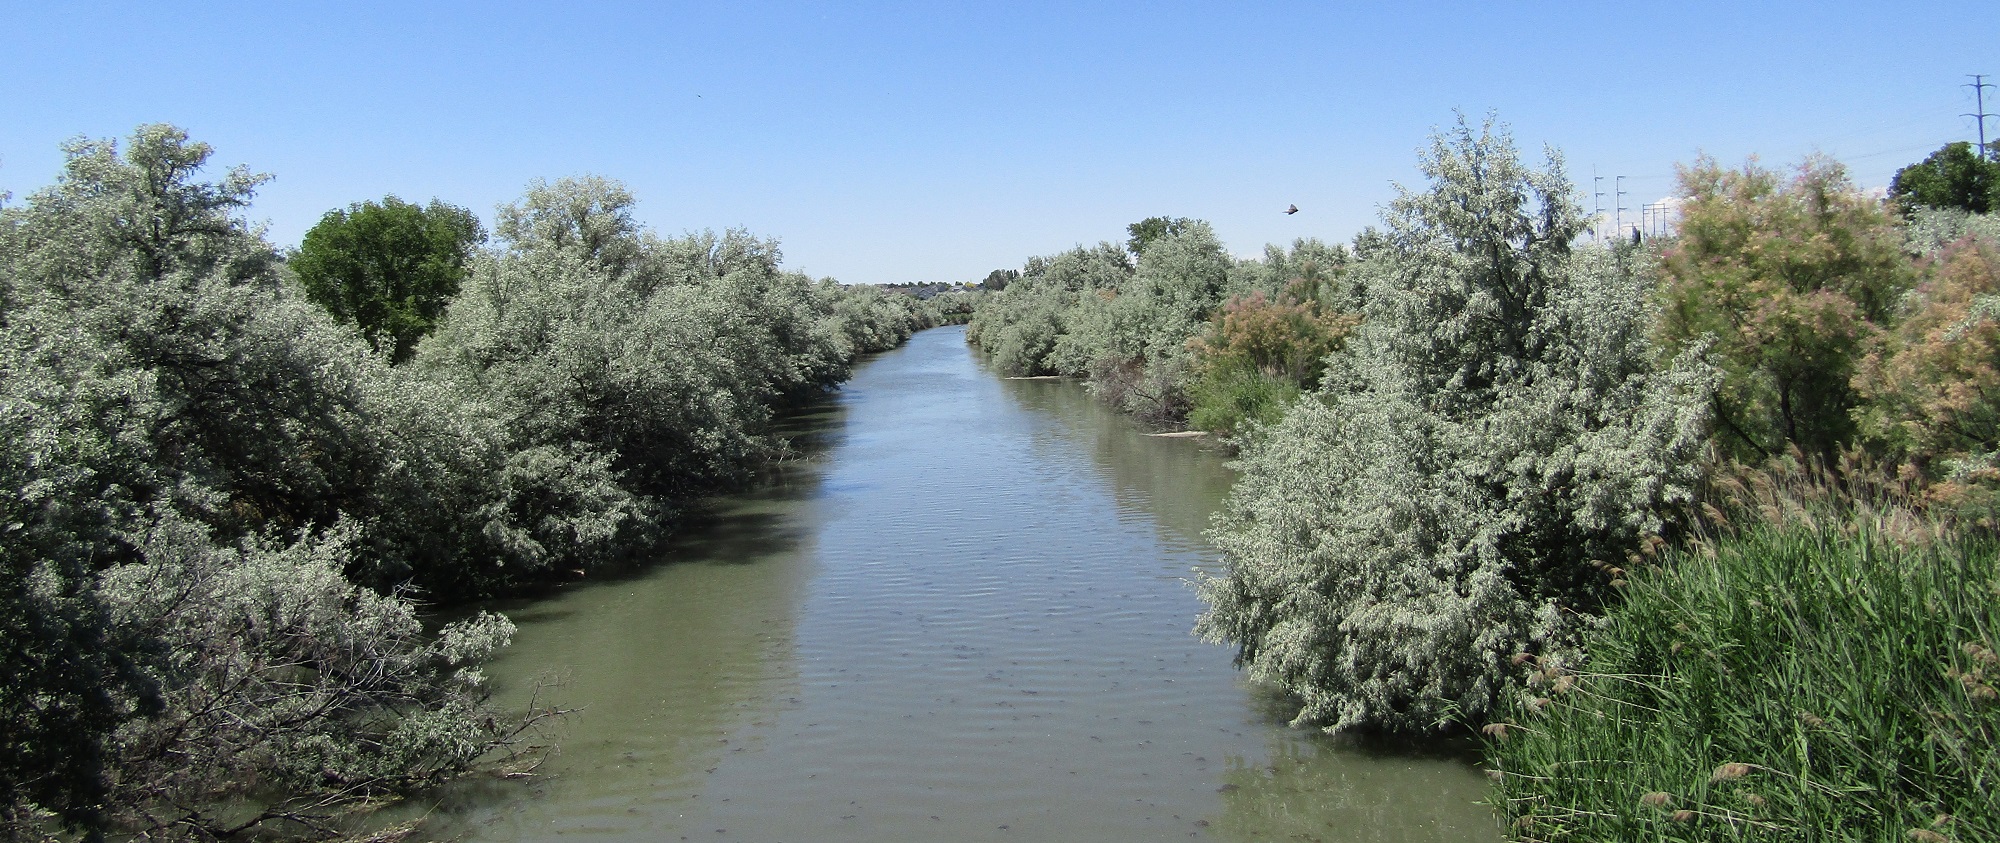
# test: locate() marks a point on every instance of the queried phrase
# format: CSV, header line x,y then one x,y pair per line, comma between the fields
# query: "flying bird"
x,y
1293,209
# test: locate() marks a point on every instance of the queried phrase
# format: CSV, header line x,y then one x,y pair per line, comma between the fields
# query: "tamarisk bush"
x,y
1468,479
1932,386
1261,350
1787,281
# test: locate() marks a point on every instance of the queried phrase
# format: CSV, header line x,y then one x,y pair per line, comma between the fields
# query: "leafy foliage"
x,y
665,359
388,268
159,378
1134,344
1793,278
1020,324
1933,387
219,499
955,307
999,279
1089,313
1258,354
1232,396
1954,177
1453,492
1145,231
1928,231
291,695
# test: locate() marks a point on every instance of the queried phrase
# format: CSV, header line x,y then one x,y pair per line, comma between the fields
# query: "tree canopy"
x,y
1956,176
1792,277
1145,231
389,268
191,449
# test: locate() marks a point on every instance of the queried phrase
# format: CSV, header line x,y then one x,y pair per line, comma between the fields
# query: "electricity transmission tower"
x,y
1618,205
1979,86
1596,202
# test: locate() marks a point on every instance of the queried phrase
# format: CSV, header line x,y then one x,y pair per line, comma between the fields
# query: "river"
x,y
960,614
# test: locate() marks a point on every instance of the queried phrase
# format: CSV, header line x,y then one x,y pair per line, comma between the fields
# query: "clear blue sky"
x,y
937,141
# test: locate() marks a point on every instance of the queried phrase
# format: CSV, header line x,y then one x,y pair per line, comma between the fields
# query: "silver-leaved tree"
x,y
1473,471
195,459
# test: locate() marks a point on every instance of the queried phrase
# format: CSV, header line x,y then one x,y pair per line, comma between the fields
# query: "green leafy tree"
x,y
1145,231
998,279
388,268
1792,278
1955,176
1463,483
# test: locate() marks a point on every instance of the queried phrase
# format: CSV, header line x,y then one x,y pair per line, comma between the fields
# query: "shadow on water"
x,y
661,661
1363,788
1276,710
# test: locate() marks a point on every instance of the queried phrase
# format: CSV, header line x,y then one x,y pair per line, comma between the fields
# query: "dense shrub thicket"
x,y
1448,497
1454,433
1479,458
218,500
1187,334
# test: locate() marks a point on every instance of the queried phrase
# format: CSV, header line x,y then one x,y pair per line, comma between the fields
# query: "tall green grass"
x,y
1825,669
1228,396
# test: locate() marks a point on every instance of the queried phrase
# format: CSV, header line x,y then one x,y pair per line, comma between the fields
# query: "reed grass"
x,y
1821,665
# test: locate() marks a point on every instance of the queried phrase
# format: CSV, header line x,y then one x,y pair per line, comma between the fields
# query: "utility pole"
x,y
1979,86
1618,205
1596,202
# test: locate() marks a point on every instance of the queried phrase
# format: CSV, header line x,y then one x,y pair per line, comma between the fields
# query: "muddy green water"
x,y
960,615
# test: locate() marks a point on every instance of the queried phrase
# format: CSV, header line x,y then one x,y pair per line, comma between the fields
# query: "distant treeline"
x,y
1638,512
225,501
927,289
953,303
